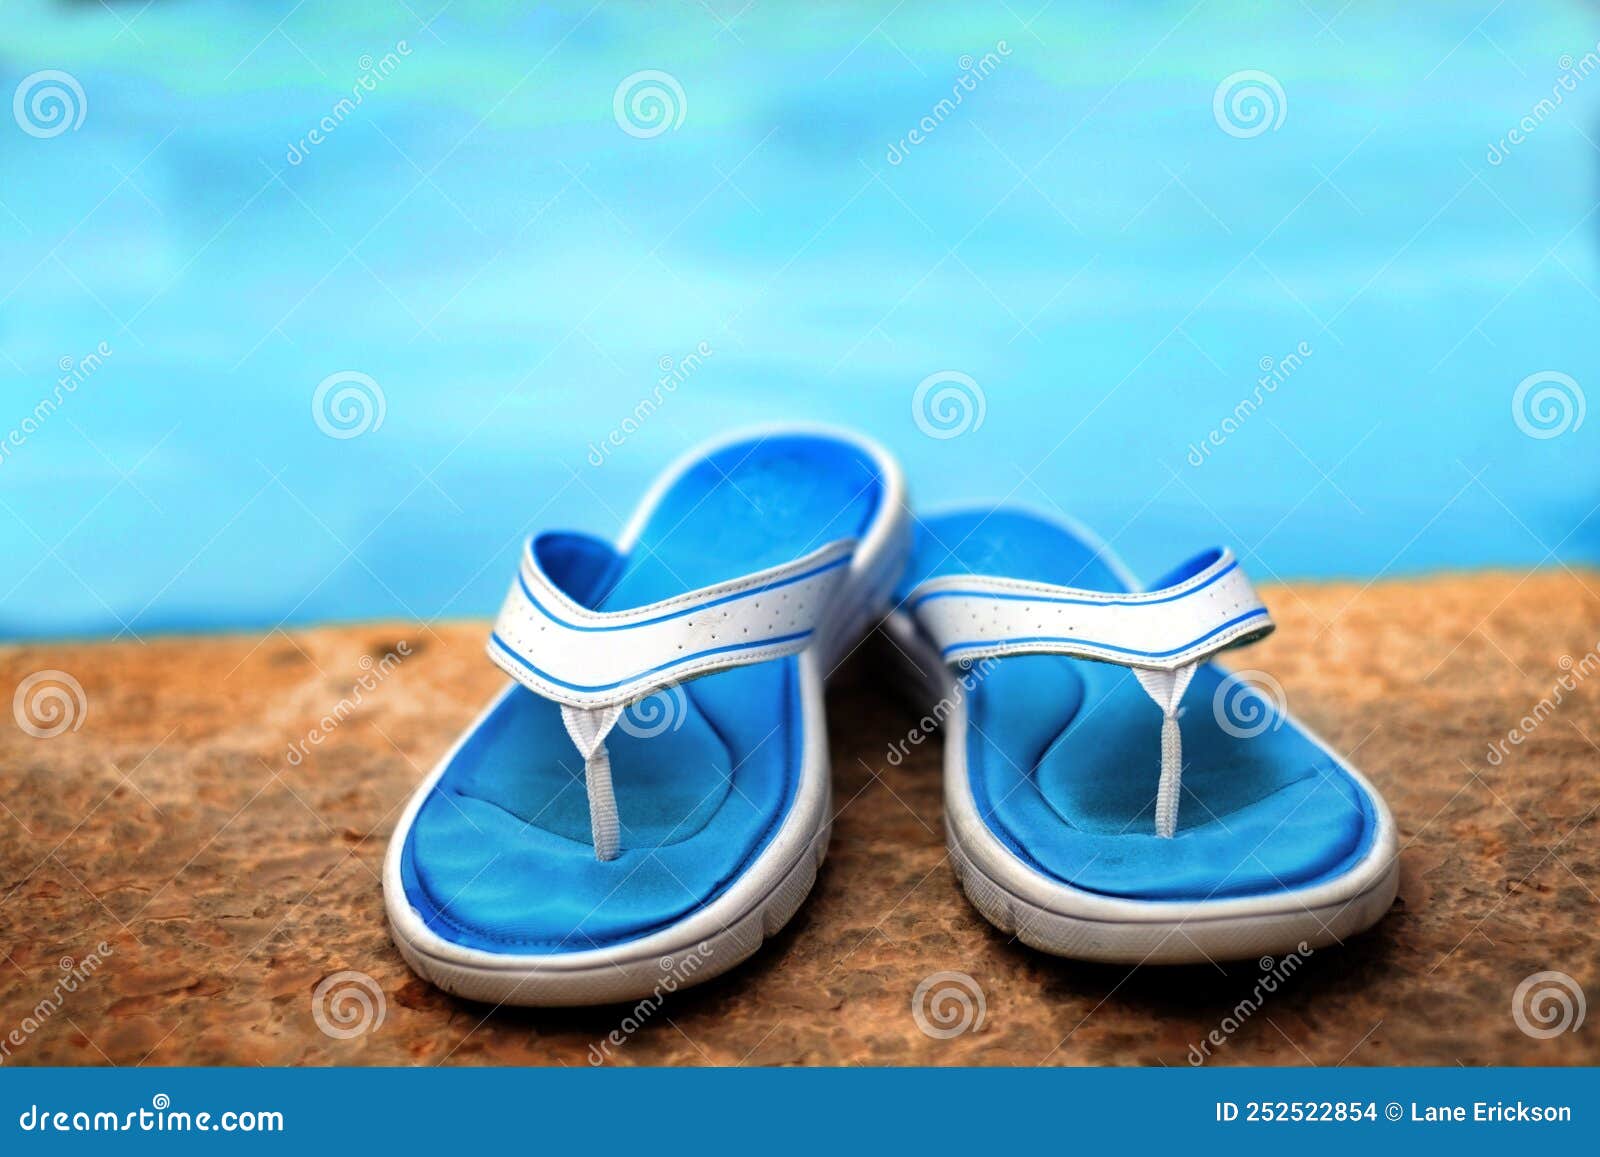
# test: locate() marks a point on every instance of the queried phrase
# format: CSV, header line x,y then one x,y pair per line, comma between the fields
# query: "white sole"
x,y
729,929
1057,918
648,967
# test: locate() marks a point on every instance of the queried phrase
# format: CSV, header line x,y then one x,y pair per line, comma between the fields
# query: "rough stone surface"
x,y
227,882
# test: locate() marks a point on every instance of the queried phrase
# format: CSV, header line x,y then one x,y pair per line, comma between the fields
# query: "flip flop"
x,y
1094,823
649,798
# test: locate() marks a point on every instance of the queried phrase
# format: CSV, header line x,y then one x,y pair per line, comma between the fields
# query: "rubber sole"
x,y
668,966
1192,938
1056,918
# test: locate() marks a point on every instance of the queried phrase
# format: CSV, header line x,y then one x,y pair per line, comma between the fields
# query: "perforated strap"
x,y
1162,634
1212,607
595,663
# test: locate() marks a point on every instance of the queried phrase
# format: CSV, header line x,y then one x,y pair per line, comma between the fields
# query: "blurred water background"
x,y
497,254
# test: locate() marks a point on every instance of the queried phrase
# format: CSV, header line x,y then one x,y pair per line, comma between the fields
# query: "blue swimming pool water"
x,y
1087,251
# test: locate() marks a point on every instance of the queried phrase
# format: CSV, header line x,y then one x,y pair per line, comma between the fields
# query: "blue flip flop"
x,y
649,798
1087,809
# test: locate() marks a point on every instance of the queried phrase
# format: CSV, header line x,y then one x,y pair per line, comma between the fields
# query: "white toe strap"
x,y
1167,688
595,663
1161,634
588,727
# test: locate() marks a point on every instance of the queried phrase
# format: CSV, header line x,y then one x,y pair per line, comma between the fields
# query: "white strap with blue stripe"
x,y
1162,634
594,663
973,616
562,650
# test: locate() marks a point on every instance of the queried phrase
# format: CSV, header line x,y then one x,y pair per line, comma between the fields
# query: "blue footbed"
x,y
1064,754
500,857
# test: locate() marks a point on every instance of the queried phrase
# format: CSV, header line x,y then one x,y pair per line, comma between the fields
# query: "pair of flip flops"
x,y
649,797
